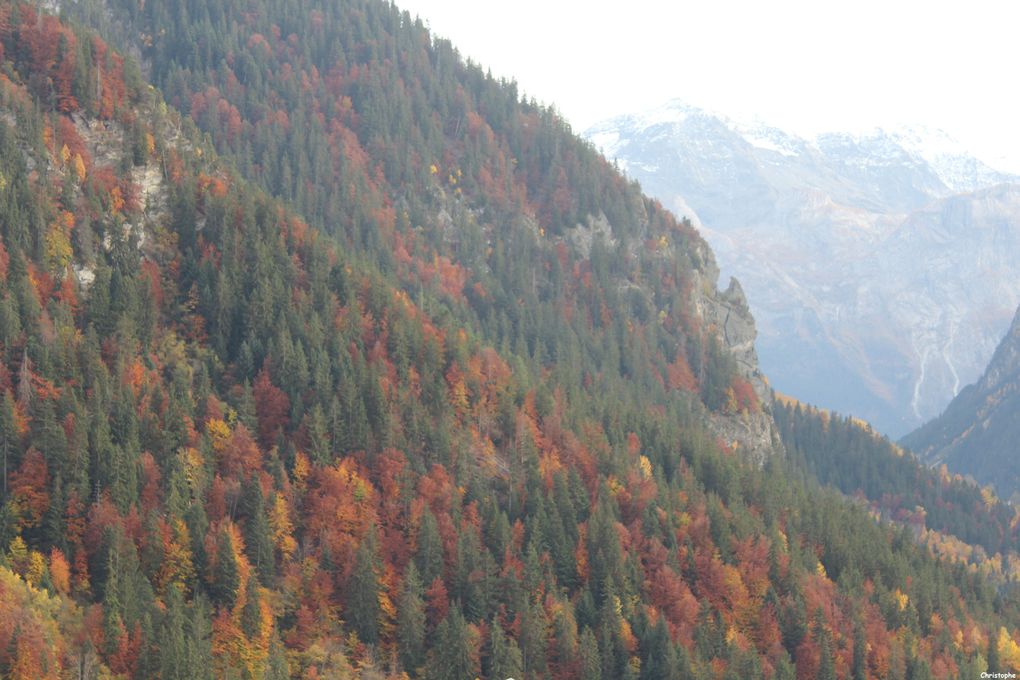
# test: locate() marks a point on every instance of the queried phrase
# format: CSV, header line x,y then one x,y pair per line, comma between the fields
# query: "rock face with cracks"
x,y
754,432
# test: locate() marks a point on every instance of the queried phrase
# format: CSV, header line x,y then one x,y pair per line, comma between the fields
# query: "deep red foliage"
x,y
272,407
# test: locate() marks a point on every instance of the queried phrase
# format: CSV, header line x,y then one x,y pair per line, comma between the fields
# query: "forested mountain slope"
x,y
955,517
977,433
478,202
446,435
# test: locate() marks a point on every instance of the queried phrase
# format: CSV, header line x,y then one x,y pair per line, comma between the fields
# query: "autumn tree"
x,y
272,407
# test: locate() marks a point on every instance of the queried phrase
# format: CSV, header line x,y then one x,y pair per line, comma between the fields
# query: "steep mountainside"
x,y
878,266
956,518
977,434
480,411
428,168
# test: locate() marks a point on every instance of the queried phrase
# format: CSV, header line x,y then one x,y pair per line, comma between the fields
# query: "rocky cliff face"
x,y
877,266
978,432
755,432
724,312
728,313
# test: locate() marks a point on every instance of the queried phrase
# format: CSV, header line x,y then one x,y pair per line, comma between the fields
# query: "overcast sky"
x,y
807,65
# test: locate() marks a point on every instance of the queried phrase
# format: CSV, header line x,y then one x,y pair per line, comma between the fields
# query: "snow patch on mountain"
x,y
768,139
607,141
957,166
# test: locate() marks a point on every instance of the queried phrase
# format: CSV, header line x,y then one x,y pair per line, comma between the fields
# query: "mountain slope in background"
x,y
878,266
979,431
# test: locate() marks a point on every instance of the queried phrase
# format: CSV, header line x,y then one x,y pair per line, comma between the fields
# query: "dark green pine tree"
x,y
258,543
10,320
53,530
429,556
244,404
411,622
589,656
792,622
785,669
48,436
278,667
251,613
504,654
363,591
826,661
450,658
993,652
659,660
113,609
605,556
226,576
199,639
918,669
173,638
320,446
534,640
859,664
8,436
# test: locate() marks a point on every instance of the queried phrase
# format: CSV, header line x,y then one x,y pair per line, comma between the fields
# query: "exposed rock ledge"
x,y
728,313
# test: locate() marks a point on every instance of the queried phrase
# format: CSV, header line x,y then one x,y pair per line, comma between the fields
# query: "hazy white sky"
x,y
808,65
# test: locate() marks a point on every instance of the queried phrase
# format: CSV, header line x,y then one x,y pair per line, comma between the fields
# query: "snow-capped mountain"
x,y
954,164
881,265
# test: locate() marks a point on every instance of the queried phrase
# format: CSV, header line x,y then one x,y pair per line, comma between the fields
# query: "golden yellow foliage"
x,y
302,466
901,599
283,530
193,469
387,614
646,466
177,565
58,247
219,433
1009,652
18,555
79,167
36,567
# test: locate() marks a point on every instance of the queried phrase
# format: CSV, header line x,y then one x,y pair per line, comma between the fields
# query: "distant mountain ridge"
x,y
826,236
978,432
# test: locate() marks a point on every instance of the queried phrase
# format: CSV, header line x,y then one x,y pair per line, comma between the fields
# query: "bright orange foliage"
x,y
29,486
